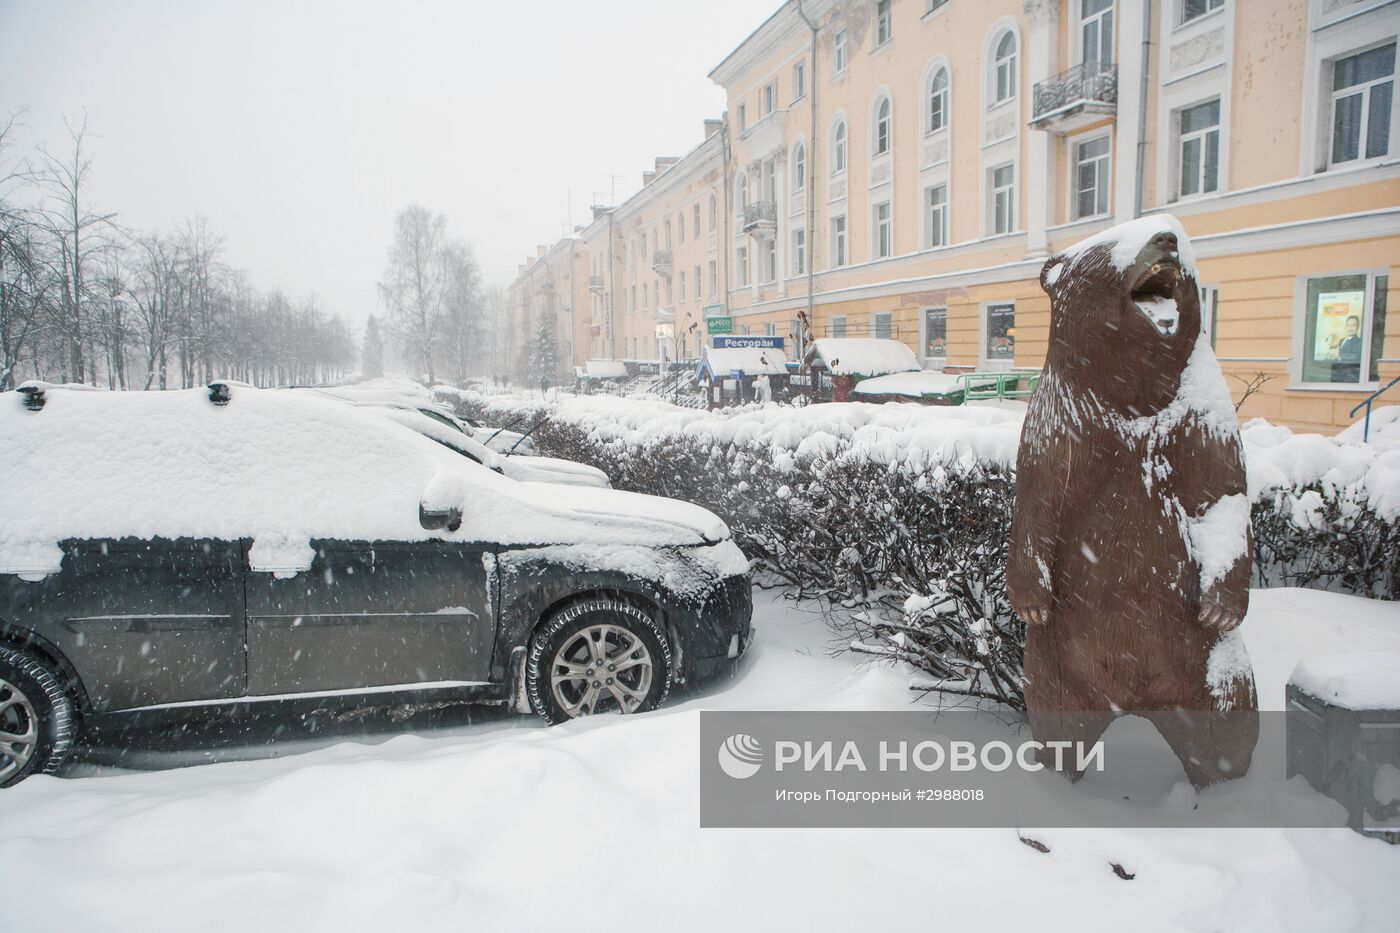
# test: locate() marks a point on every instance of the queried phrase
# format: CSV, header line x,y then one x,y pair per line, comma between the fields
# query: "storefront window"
x,y
936,333
1001,333
1343,328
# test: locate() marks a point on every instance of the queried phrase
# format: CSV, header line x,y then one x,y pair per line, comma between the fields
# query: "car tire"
x,y
597,655
37,721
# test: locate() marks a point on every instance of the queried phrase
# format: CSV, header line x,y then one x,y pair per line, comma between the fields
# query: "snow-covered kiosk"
x,y
729,370
839,364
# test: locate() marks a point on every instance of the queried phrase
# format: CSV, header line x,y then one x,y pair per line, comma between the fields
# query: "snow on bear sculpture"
x,y
1130,548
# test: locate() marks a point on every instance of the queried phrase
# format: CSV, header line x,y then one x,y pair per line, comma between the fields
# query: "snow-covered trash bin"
x,y
1344,735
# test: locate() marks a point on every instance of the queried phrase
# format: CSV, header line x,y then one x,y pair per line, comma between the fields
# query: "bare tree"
x,y
416,281
1253,383
77,232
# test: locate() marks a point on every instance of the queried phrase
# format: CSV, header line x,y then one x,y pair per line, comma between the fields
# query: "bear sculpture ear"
x,y
1052,272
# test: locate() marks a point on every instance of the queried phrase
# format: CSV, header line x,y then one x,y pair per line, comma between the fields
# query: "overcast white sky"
x,y
299,128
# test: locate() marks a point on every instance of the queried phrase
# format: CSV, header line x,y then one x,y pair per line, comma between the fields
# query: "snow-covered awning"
x,y
912,385
720,362
861,356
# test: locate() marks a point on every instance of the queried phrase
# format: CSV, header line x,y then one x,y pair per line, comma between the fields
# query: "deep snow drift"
x,y
478,828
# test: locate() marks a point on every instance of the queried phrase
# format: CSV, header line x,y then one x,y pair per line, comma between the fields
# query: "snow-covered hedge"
x,y
904,510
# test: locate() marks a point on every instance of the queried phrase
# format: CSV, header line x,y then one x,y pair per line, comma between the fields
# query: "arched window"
x,y
799,167
938,101
1005,68
712,212
881,142
838,148
743,190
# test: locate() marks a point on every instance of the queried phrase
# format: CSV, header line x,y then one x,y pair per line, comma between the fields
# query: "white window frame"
x,y
1365,91
680,287
879,317
840,242
768,259
932,362
1097,20
1212,6
799,166
840,147
743,117
1300,323
1007,67
983,314
838,53
882,230
935,217
1203,135
944,97
768,98
713,210
799,251
837,322
799,81
714,279
741,266
1210,312
884,24
995,193
1103,181
697,283
881,126
680,226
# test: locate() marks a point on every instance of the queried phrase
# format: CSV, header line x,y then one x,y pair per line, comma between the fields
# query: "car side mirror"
x,y
434,519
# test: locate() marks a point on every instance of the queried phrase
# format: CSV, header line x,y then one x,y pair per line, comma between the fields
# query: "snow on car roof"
x,y
173,464
863,356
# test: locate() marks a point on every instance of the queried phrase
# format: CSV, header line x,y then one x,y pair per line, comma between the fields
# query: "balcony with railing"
x,y
761,218
1075,98
661,262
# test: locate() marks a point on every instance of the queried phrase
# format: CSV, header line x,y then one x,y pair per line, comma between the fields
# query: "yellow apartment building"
x,y
903,168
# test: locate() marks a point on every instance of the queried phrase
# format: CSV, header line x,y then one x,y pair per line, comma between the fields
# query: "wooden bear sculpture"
x,y
1130,546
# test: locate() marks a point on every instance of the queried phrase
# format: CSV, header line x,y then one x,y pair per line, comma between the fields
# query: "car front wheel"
x,y
36,718
595,656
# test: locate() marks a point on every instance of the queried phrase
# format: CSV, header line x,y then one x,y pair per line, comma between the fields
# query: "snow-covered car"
x,y
406,392
231,550
448,430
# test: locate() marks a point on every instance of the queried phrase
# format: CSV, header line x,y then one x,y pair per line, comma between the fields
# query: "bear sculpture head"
x,y
1125,314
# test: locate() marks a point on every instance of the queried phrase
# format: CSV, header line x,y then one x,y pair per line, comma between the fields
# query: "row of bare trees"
x,y
84,299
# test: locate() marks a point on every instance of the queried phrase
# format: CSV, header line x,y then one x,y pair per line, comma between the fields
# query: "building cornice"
x,y
777,29
691,165
1319,231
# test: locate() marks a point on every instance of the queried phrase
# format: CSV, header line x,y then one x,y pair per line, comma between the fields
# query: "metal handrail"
x,y
757,212
1366,403
995,385
1089,81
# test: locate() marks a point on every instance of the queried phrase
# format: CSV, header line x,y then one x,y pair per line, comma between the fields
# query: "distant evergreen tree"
x,y
544,352
372,352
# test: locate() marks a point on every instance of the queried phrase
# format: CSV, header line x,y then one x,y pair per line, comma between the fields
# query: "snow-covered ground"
x,y
505,824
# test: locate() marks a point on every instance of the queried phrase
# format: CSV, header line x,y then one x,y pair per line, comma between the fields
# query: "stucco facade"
x,y
904,168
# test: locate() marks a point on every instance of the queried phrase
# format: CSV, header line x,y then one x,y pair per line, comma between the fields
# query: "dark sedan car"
x,y
222,551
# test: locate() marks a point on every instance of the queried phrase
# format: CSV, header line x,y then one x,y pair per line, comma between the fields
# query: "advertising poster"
x,y
1338,320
